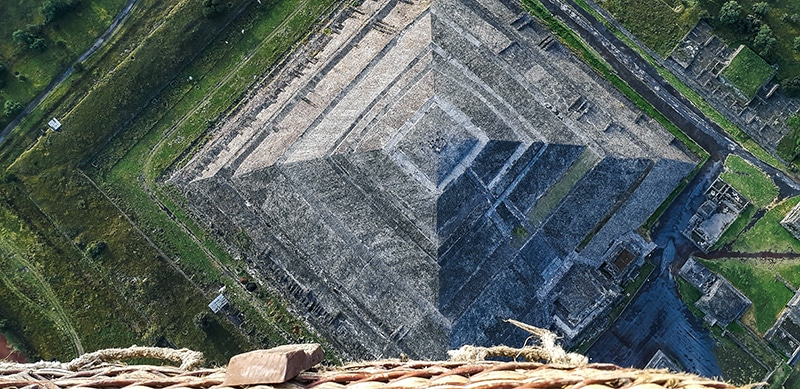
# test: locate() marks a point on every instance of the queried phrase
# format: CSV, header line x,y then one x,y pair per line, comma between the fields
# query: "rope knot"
x,y
546,351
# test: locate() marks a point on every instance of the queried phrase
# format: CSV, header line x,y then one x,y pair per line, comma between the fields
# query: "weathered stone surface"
x,y
438,166
272,366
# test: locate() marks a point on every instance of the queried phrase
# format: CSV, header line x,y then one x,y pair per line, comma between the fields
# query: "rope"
x,y
547,351
188,359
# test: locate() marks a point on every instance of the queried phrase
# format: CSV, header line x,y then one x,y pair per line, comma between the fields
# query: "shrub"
x,y
52,9
96,248
203,320
761,8
22,38
764,40
212,8
730,12
12,108
38,44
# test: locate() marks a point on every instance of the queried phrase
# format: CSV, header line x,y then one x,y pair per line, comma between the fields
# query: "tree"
x,y
22,38
748,24
203,320
796,43
792,87
52,9
764,40
12,108
730,12
38,44
212,8
96,248
761,8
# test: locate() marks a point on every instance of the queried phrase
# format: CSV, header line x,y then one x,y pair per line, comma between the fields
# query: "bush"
x,y
761,9
9,178
38,44
764,40
792,87
730,12
212,8
12,108
22,38
203,320
52,9
96,248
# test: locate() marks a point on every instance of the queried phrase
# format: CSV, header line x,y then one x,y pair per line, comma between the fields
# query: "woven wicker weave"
x,y
381,374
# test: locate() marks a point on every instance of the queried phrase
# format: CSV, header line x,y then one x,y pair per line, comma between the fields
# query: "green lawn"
x,y
738,367
659,24
768,235
750,181
748,72
756,279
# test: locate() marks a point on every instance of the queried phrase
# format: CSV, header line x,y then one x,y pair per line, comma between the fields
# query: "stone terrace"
x,y
434,168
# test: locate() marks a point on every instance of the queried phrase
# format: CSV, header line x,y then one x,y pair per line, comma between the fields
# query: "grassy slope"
x,y
750,181
659,24
133,271
131,163
67,38
768,235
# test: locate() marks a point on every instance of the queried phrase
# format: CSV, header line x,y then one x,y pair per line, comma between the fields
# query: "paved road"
x,y
53,84
646,81
656,318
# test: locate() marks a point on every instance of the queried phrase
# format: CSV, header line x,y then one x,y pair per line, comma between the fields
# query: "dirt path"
x,y
54,84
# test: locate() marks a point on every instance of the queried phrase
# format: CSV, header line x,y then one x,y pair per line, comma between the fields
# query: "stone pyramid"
x,y
428,169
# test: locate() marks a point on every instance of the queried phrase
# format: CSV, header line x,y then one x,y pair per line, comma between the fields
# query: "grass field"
x,y
30,71
750,181
659,24
142,278
738,367
748,72
767,235
756,279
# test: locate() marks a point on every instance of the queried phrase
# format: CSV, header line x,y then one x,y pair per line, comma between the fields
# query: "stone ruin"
x,y
722,207
429,169
698,61
791,222
721,302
